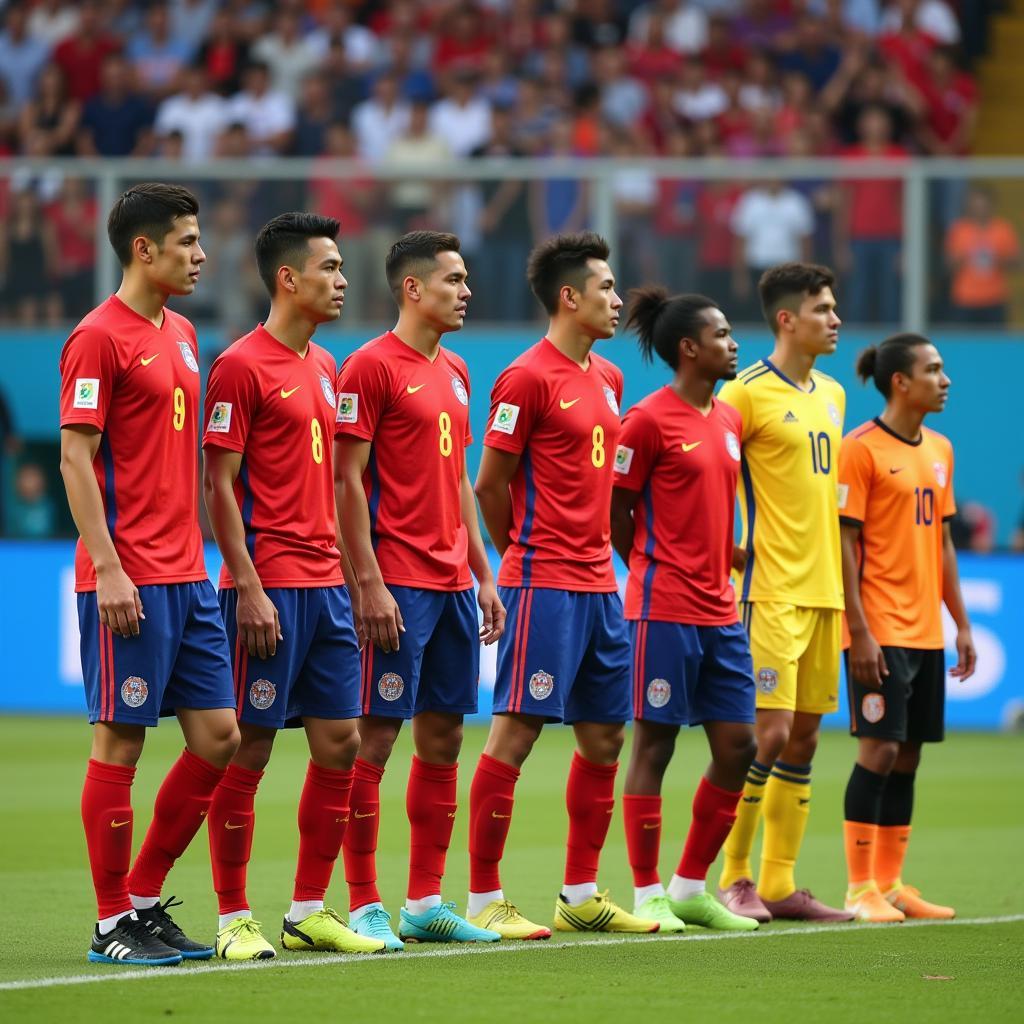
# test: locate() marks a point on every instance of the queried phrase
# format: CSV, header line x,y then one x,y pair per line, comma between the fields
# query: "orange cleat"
x,y
907,899
868,904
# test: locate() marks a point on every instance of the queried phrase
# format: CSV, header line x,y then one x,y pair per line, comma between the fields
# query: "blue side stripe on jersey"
x,y
771,366
748,490
648,551
373,499
528,513
247,503
109,498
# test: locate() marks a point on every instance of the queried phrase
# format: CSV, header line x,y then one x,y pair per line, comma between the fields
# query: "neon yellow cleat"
x,y
325,930
503,917
598,914
241,939
658,908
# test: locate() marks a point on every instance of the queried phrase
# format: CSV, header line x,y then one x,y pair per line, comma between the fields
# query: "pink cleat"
x,y
741,898
802,906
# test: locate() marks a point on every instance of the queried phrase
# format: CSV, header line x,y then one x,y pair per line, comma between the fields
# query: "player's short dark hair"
x,y
788,284
662,321
148,209
415,255
284,241
894,355
562,260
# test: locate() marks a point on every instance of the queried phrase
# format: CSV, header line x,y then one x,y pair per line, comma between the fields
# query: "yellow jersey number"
x,y
444,441
597,448
318,440
178,419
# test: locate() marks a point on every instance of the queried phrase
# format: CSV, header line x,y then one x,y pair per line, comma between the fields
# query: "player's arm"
x,y
117,597
623,526
867,661
966,655
349,572
487,593
497,468
258,622
380,617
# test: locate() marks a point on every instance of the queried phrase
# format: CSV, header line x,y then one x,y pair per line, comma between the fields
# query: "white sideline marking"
x,y
166,973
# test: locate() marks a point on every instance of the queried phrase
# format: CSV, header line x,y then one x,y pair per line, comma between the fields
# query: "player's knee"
x,y
603,747
222,745
738,754
376,743
116,746
654,753
254,752
906,758
441,747
771,743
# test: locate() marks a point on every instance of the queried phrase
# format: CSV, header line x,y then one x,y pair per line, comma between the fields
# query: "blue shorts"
x,y
179,659
564,656
687,675
315,672
437,664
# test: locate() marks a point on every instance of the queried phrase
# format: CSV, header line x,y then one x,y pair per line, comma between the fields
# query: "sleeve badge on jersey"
x,y
328,389
613,402
623,459
188,356
940,473
732,445
505,418
460,391
843,493
87,393
833,414
348,408
220,418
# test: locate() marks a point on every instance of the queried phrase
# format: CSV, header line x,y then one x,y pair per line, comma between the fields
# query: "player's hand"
x,y
966,655
258,622
118,601
357,617
739,558
381,616
494,613
867,662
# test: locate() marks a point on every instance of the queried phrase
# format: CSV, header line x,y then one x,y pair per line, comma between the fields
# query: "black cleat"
x,y
161,925
131,942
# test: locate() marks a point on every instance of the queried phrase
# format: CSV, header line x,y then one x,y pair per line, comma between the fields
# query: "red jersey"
x,y
416,414
564,421
277,408
139,385
876,204
685,466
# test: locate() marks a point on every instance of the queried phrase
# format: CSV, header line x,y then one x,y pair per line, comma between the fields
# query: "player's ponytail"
x,y
662,322
894,355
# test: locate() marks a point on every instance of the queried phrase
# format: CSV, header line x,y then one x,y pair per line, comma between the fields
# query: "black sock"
x,y
898,799
864,796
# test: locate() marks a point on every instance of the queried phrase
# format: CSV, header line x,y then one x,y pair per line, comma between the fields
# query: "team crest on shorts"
x,y
659,692
134,691
390,686
833,413
732,445
460,391
188,356
328,389
262,694
872,707
767,680
613,402
940,473
541,685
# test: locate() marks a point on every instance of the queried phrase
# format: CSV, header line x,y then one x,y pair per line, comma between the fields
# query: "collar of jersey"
x,y
793,384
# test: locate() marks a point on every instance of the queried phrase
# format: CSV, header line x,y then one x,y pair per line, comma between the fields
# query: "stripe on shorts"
x,y
519,653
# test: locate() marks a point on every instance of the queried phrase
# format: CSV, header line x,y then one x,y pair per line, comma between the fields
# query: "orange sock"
x,y
890,850
861,839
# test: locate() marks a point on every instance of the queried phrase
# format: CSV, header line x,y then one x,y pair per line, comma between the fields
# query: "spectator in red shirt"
x,y
723,53
462,40
81,55
715,202
224,54
72,219
950,100
675,221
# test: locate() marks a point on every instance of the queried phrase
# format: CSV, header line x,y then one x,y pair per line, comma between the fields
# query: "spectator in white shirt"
x,y
418,202
362,47
933,17
52,21
686,25
462,118
698,97
623,98
268,115
197,113
289,55
381,119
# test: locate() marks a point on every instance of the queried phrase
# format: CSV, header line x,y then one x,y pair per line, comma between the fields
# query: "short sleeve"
x,y
736,394
362,392
639,443
949,496
89,371
231,400
516,404
463,372
856,469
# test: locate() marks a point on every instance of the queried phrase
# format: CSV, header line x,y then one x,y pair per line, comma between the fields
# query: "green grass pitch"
x,y
966,850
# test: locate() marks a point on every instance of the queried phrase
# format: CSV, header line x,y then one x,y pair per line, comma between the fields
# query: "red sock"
x,y
107,816
430,802
642,814
714,811
360,843
323,817
490,815
590,799
231,823
181,806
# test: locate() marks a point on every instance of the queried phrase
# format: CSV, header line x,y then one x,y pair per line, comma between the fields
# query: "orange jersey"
x,y
899,492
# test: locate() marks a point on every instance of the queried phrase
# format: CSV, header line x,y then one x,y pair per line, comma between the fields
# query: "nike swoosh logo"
x,y
803,802
451,814
412,390
341,821
372,814
288,394
567,405
227,824
145,361
689,447
863,842
648,826
495,814
899,470
119,824
751,799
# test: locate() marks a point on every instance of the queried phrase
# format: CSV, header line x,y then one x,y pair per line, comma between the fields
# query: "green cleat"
x,y
657,908
324,930
241,939
704,910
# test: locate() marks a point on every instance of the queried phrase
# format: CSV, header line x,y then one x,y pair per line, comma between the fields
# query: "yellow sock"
x,y
787,799
740,840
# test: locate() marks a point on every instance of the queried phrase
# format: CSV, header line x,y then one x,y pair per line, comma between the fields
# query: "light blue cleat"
x,y
375,923
441,924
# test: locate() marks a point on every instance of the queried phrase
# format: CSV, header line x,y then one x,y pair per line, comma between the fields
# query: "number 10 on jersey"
x,y
821,452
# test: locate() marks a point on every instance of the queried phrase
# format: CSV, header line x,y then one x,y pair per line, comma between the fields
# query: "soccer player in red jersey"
x,y
545,487
269,484
409,522
676,468
152,638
